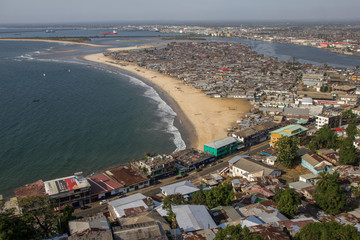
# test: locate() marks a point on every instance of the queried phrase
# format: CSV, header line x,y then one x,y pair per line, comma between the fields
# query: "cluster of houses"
x,y
219,69
254,183
77,190
143,217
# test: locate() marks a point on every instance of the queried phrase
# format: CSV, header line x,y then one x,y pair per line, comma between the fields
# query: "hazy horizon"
x,y
160,11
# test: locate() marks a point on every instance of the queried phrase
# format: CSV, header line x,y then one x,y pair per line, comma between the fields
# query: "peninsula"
x,y
206,118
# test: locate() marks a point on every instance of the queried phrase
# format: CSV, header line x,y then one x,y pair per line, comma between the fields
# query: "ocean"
x,y
61,115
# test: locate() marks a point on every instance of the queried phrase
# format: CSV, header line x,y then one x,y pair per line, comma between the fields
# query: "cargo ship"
x,y
109,33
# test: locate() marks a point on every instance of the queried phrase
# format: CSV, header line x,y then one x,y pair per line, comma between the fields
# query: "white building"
x,y
332,121
185,188
137,202
193,217
250,169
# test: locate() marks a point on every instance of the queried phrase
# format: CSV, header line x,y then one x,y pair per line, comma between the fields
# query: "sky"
x,y
78,11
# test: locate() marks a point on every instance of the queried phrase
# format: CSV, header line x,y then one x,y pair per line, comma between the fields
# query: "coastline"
x,y
204,119
55,41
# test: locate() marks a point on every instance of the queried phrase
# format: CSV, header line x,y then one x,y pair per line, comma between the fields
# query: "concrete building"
x,y
185,188
250,169
332,121
84,226
127,206
193,217
103,187
289,131
74,190
128,177
222,147
192,158
315,163
157,167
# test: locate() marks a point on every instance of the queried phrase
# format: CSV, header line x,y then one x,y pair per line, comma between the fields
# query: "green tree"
x,y
325,138
287,202
222,194
347,153
347,115
327,230
237,233
287,151
66,216
329,194
352,130
173,199
39,212
14,227
198,198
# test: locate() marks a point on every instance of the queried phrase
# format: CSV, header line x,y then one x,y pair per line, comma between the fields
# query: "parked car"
x,y
102,202
185,175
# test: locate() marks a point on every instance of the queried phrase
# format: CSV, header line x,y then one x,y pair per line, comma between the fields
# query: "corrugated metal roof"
x,y
126,200
193,217
252,166
291,128
237,158
184,187
221,143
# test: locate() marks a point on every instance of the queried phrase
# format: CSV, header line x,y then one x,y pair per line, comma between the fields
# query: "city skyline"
x,y
41,11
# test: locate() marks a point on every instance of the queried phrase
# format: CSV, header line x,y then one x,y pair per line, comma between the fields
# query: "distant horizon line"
x,y
214,23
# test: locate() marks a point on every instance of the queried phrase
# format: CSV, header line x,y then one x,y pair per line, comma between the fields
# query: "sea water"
x,y
59,116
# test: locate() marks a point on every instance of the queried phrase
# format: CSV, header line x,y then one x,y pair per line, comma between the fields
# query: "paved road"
x,y
155,189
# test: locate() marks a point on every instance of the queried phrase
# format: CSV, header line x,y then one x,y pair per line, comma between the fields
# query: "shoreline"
x,y
48,40
204,119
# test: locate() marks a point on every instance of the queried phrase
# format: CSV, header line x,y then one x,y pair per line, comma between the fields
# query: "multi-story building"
x,y
157,167
191,159
130,178
289,131
332,121
222,147
73,190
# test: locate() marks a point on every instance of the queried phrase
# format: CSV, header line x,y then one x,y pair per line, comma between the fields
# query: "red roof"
x,y
224,69
324,43
32,189
101,183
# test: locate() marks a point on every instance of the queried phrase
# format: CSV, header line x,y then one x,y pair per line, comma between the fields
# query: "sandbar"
x,y
49,40
209,117
136,47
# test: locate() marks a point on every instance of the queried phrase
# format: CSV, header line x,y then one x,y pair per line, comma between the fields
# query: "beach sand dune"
x,y
205,119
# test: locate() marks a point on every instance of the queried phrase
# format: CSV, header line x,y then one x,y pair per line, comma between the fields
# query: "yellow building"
x,y
289,131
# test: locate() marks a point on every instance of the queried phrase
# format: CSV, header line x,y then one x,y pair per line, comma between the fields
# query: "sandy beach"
x,y
48,40
205,119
